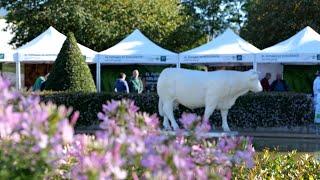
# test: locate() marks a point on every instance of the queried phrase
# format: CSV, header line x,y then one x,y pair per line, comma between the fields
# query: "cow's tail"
x,y
160,107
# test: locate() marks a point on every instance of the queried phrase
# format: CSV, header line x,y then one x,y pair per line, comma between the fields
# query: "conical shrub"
x,y
70,71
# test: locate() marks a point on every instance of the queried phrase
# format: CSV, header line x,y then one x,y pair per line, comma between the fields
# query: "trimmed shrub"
x,y
250,111
70,71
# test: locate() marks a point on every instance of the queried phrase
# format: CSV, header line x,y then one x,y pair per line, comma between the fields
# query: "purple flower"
x,y
152,162
188,120
111,106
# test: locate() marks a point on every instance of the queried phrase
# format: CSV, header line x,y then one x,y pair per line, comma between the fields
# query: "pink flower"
x,y
188,120
66,131
110,106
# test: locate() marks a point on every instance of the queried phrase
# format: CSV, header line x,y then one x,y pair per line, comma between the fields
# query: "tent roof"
x,y
305,41
226,43
136,44
49,43
5,38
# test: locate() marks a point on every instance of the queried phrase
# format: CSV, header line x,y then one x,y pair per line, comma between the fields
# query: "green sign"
x,y
1,56
163,58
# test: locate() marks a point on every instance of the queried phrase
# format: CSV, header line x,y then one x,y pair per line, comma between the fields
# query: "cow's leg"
x,y
166,123
208,112
168,110
225,126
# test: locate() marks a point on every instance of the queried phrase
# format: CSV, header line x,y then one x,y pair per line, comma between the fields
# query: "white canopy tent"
x,y
6,50
301,49
226,48
45,48
135,49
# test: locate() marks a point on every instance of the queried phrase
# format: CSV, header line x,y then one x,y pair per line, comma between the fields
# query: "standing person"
x,y
316,97
265,82
39,83
43,84
279,84
121,84
136,85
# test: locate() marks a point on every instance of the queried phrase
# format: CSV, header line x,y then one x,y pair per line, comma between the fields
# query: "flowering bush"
x,y
32,135
37,141
131,145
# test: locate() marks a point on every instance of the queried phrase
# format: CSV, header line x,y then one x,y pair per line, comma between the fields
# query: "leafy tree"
x,y
272,21
99,24
174,24
213,16
70,71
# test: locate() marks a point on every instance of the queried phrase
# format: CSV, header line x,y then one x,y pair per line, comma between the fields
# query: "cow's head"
x,y
254,83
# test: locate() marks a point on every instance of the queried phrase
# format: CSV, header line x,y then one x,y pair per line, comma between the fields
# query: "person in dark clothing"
x,y
136,85
279,84
265,82
121,84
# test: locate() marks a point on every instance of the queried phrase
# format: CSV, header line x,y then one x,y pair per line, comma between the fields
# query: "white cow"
x,y
195,89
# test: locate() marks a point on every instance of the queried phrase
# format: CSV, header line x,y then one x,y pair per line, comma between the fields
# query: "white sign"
x,y
216,58
294,57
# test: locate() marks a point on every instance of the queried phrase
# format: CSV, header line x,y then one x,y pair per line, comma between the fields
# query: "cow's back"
x,y
187,87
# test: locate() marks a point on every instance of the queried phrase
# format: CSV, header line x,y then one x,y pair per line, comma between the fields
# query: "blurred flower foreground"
x,y
37,141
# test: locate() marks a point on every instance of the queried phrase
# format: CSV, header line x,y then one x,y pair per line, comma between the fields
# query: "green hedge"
x,y
251,110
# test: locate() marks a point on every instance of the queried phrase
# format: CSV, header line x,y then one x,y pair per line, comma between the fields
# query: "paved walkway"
x,y
287,140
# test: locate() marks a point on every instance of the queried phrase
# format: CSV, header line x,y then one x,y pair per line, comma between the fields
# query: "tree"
x,y
99,24
272,21
214,16
70,71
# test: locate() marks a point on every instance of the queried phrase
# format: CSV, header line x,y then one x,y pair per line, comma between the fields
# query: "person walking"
x,y
135,83
121,84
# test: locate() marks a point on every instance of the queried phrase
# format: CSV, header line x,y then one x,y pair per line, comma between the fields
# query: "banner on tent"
x,y
43,57
217,58
138,59
294,57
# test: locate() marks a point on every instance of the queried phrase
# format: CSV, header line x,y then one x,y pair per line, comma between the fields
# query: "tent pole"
x,y
178,64
98,76
18,75
255,64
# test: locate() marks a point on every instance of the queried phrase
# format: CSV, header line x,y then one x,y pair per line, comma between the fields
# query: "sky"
x,y
2,12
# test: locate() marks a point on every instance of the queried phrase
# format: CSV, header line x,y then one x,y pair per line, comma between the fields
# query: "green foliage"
x,y
213,16
300,78
70,71
99,24
272,21
251,110
96,23
273,165
15,166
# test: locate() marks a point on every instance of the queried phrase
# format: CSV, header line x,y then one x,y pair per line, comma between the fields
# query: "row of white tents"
x,y
302,48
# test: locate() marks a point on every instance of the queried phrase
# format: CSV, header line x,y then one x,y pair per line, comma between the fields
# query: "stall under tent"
x,y
227,48
135,49
44,50
302,49
7,67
